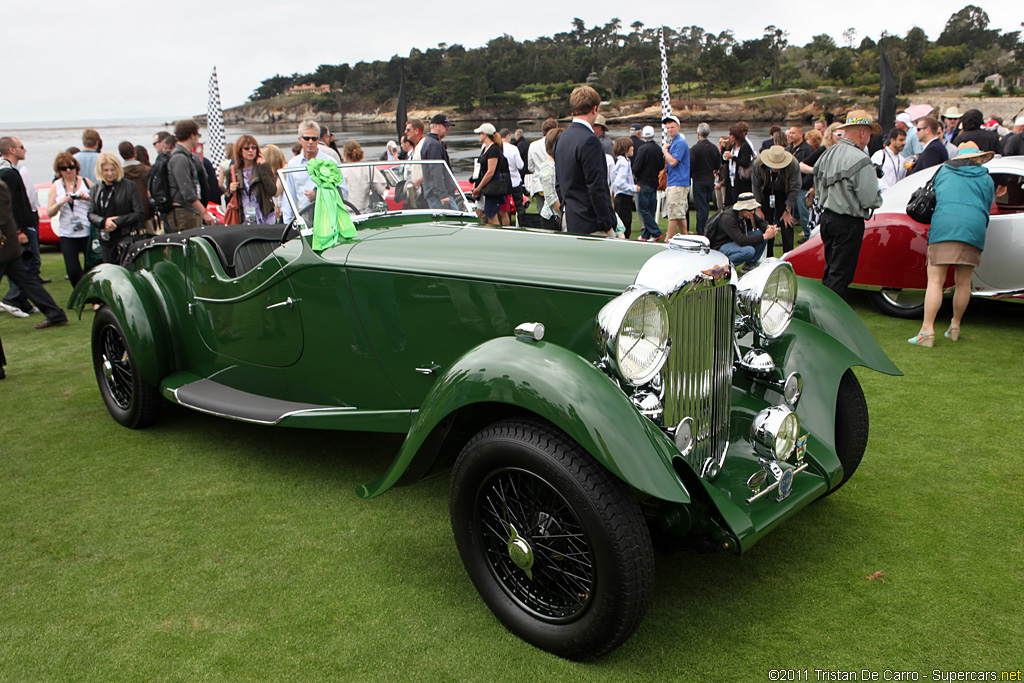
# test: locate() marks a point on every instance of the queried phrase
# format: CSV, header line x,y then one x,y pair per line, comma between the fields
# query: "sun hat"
x,y
745,202
859,117
1019,121
952,113
670,117
600,121
485,128
969,150
776,157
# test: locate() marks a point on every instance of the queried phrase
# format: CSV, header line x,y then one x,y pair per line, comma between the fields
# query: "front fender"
x,y
562,388
819,306
136,309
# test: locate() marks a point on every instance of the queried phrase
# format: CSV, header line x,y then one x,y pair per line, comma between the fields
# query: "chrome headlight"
x,y
633,332
774,432
767,297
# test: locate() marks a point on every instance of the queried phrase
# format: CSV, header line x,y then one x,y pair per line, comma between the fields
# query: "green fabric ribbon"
x,y
330,217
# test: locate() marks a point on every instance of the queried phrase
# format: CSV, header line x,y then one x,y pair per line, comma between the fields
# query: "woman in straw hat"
x,y
963,196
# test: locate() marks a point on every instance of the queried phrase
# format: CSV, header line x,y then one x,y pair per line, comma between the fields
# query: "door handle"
x,y
289,302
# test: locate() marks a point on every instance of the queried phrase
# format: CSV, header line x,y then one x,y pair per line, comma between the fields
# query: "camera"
x,y
878,170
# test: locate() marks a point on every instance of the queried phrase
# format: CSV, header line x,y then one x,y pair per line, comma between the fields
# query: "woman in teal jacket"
x,y
963,197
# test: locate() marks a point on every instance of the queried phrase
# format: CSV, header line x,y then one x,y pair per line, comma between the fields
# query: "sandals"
x,y
922,339
953,333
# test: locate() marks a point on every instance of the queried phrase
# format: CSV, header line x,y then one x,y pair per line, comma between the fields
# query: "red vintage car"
x,y
893,253
46,233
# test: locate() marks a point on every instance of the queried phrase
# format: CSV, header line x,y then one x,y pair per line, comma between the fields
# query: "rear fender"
x,y
560,387
132,301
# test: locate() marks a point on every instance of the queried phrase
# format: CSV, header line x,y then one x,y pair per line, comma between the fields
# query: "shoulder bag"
x,y
922,203
233,215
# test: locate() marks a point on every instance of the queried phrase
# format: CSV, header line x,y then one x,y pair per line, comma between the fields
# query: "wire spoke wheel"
x,y
117,370
130,400
535,545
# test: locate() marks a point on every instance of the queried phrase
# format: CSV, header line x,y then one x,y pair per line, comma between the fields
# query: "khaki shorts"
x,y
676,205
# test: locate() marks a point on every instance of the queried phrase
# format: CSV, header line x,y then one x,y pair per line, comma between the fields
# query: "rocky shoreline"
x,y
790,107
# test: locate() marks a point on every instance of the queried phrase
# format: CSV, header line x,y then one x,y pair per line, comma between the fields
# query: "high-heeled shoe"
x,y
953,333
922,339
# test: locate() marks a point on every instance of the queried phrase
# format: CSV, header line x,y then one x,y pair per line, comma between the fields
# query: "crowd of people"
x,y
578,179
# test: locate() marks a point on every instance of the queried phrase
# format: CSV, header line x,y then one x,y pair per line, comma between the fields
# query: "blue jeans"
x,y
646,206
702,194
802,211
739,255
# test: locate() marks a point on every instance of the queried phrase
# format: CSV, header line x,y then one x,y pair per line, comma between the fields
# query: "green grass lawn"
x,y
203,549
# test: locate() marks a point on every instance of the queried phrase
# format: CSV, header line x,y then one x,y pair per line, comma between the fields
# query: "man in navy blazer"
x,y
929,132
581,172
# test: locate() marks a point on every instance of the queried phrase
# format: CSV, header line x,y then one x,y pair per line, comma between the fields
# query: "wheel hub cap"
x,y
108,369
520,552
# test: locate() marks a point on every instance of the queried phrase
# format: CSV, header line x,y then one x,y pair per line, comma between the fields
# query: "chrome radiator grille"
x,y
698,372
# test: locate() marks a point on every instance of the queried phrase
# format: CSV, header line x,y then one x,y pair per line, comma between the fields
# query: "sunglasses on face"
x,y
65,168
252,147
308,138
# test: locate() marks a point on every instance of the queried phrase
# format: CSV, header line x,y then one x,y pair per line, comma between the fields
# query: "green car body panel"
x,y
410,323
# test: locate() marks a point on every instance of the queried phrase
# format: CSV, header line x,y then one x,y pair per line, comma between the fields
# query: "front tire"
x,y
130,400
898,303
556,546
851,426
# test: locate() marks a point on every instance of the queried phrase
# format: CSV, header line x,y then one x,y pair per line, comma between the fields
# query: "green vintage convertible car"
x,y
593,398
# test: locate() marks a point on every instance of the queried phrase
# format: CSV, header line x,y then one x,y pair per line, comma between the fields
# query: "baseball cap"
x,y
670,117
904,117
485,128
635,126
441,119
647,133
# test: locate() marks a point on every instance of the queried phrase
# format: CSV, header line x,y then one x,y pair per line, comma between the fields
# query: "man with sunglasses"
x,y
929,132
299,185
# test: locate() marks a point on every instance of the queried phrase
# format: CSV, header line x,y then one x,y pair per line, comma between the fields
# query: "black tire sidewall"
x,y
582,638
886,307
133,416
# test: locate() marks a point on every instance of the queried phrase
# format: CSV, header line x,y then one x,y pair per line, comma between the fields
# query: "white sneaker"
x,y
13,310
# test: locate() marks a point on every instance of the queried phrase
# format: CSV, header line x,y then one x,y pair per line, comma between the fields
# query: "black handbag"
x,y
922,203
499,185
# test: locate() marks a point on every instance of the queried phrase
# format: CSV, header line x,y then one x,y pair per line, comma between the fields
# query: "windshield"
x,y
374,188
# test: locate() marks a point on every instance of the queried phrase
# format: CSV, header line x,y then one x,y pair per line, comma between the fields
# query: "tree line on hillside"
x,y
625,64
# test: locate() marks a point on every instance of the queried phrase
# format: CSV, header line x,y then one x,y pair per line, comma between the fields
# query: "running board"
x,y
214,398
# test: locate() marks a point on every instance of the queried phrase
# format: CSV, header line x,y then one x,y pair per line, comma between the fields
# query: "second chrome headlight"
x,y
767,297
633,330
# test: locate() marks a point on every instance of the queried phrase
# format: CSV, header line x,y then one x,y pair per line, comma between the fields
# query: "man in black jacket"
x,y
929,132
740,233
13,266
581,174
12,151
705,160
648,161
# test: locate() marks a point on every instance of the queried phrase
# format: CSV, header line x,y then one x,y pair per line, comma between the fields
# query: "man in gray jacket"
x,y
186,179
847,189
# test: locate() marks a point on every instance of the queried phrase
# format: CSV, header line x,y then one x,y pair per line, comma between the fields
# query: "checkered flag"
x,y
215,123
666,104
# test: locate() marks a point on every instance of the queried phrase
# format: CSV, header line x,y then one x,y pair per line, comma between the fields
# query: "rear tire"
x,y
130,400
898,303
556,546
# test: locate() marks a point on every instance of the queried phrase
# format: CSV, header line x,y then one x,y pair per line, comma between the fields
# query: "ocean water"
x,y
44,140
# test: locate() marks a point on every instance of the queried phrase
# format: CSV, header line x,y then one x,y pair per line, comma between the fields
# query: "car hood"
x,y
561,261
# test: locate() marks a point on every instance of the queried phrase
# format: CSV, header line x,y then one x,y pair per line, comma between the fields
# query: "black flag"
x,y
400,113
886,95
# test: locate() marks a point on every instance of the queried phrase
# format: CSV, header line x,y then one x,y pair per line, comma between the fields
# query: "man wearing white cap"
x,y
1013,143
648,162
913,147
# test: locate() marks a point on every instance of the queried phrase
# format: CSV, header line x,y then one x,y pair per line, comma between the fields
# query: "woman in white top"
x,y
362,180
68,207
623,184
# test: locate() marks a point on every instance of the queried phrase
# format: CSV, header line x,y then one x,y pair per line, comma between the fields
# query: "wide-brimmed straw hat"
x,y
746,201
776,157
859,117
952,113
969,150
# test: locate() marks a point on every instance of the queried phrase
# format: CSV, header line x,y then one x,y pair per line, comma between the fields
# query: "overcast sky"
x,y
110,59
